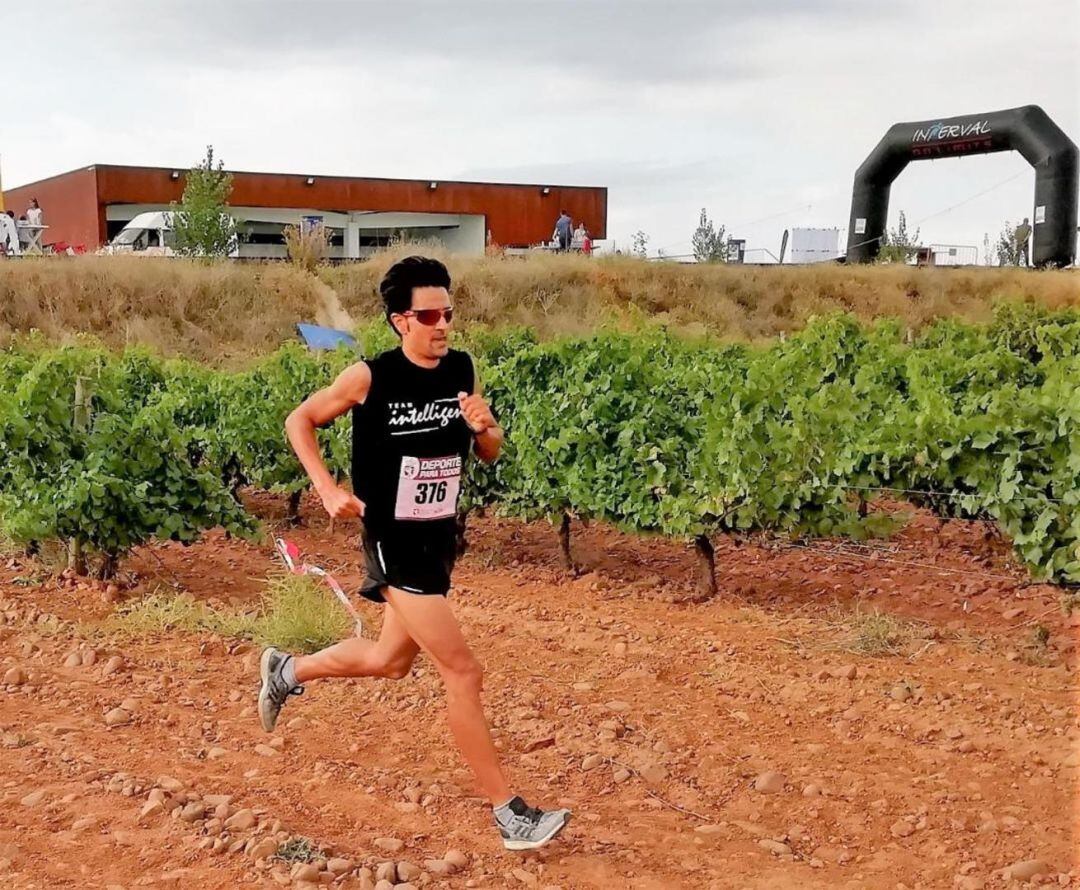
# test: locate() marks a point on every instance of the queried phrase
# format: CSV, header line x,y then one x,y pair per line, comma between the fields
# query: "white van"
x,y
149,234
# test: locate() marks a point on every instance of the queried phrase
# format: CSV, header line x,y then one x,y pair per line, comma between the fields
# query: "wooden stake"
x,y
564,545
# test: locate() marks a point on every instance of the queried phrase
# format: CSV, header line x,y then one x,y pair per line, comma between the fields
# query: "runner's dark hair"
x,y
400,279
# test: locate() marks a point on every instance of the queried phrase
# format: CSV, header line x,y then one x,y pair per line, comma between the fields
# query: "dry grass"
x,y
1035,648
307,248
299,849
160,613
872,634
875,633
297,613
208,311
228,310
558,294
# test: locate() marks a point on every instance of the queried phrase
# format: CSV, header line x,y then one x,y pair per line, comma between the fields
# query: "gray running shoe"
x,y
527,828
274,689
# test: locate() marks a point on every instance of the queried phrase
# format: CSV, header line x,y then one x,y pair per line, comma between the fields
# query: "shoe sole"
x,y
264,675
517,846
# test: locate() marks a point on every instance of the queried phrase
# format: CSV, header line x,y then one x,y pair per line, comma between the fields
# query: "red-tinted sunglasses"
x,y
430,317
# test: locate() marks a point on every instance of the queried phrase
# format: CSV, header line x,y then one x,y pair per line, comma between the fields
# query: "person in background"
x,y
34,216
582,241
9,234
564,228
1021,236
579,236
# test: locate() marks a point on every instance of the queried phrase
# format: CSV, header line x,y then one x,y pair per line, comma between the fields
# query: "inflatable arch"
x,y
1028,130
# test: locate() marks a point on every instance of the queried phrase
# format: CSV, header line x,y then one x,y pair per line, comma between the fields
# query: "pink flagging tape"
x,y
290,555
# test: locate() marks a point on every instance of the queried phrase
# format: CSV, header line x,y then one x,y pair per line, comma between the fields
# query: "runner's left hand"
x,y
476,412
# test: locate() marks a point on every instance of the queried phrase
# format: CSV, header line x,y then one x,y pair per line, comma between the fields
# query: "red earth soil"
x,y
775,736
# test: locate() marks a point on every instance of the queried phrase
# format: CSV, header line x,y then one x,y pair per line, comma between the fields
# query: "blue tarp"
x,y
317,337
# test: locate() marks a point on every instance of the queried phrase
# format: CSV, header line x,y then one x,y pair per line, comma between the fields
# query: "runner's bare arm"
x,y
488,435
350,388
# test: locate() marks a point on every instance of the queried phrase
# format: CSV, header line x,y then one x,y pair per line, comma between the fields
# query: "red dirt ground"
x,y
654,718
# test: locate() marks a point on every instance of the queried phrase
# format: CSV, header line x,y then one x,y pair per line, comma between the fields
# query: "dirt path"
x,y
734,744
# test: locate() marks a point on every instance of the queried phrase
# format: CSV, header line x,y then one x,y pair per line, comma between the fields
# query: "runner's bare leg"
x,y
390,656
430,621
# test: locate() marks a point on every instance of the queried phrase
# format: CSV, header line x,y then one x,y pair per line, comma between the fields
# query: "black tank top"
x,y
410,443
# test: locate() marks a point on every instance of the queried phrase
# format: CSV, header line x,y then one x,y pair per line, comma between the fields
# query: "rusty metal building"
x,y
90,205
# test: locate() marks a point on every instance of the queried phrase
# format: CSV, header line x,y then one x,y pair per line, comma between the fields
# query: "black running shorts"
x,y
413,563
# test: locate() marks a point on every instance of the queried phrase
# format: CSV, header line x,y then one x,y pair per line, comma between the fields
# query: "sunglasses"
x,y
430,317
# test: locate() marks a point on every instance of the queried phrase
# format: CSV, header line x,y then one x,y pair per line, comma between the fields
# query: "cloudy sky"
x,y
758,111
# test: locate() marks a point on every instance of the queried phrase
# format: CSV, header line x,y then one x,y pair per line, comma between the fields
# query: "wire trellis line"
x,y
946,494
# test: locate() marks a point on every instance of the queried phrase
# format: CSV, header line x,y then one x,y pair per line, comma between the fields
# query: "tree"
x,y
640,242
709,243
201,221
1009,251
897,246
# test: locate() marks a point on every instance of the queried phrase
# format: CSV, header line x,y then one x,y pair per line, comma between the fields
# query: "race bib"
x,y
428,487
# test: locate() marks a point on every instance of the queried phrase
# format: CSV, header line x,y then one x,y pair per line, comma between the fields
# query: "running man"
x,y
417,411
